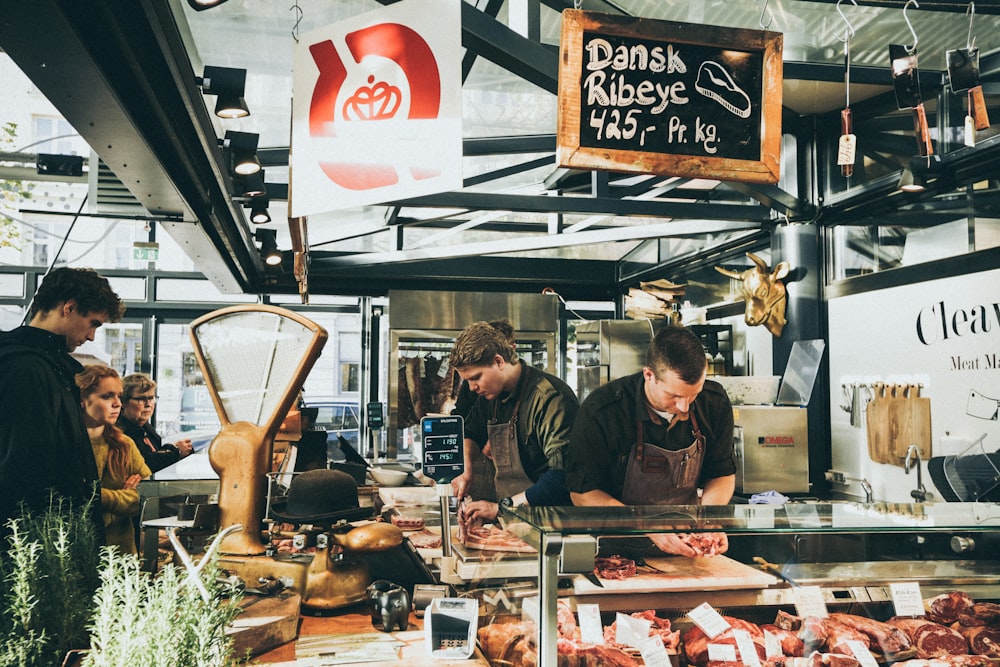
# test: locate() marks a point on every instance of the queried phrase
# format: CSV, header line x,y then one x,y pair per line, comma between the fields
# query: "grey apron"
x,y
658,476
510,478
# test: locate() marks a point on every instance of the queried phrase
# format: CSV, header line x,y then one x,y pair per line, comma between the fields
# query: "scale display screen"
x,y
443,447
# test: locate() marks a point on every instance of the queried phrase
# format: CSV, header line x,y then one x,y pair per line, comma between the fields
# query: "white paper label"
x,y
721,653
846,149
809,601
745,645
906,598
772,645
708,619
631,631
970,131
653,652
591,630
861,652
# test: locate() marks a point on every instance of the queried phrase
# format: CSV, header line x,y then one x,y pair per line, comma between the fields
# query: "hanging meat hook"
x,y
913,47
850,29
970,41
770,17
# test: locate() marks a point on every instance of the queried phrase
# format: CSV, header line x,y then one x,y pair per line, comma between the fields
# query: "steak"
x,y
614,567
932,640
882,637
947,607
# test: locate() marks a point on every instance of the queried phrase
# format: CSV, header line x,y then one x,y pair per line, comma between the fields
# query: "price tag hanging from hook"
x,y
963,76
847,147
903,60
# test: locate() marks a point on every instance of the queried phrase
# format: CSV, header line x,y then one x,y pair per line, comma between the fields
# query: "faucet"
x,y
866,486
920,493
869,495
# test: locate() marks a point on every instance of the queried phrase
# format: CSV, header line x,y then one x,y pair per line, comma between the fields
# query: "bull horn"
x,y
738,275
758,261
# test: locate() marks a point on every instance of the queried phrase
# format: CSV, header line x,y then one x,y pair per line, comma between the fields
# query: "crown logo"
x,y
373,102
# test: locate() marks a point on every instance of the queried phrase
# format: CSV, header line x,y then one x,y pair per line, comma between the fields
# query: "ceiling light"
x,y
251,185
910,182
268,246
258,210
47,164
202,5
228,84
242,147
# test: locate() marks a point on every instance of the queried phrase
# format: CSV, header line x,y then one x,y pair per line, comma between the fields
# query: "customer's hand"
x,y
184,447
132,481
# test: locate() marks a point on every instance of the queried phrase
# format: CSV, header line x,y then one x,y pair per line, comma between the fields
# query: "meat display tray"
x,y
925,572
677,573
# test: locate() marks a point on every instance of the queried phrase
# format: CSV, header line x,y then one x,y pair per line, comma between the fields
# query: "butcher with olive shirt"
x,y
663,436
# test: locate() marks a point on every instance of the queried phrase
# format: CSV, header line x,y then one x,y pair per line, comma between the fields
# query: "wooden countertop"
x,y
351,621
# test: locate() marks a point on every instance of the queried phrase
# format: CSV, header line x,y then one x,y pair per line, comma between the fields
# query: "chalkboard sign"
x,y
678,99
443,440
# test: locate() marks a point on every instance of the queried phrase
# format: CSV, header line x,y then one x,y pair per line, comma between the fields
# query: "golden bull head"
x,y
764,293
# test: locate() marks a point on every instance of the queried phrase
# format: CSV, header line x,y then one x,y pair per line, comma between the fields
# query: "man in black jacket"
x,y
44,447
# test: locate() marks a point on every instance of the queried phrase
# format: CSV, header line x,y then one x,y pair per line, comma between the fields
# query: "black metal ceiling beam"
x,y
572,278
590,206
534,62
925,5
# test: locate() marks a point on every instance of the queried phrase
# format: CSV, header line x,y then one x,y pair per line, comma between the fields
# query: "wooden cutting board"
x,y
897,417
677,573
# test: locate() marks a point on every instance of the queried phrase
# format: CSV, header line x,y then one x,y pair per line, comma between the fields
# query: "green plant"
x,y
159,621
11,192
50,573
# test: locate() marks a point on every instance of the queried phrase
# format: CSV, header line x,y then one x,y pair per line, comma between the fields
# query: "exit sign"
x,y
149,252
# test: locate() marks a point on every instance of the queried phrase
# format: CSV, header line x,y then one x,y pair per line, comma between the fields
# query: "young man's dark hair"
x,y
90,290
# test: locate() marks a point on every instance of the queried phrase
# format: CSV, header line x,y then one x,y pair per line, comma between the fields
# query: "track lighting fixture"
x,y
228,84
202,5
910,182
242,147
268,246
251,185
258,210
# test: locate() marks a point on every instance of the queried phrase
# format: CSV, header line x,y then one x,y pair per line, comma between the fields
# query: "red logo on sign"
x,y
376,101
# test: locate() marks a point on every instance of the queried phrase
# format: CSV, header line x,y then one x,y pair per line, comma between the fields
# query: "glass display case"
x,y
853,553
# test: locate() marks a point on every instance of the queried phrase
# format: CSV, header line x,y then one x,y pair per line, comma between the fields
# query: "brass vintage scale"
x,y
254,359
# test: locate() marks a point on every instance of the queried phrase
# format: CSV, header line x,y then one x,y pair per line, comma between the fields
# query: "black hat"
x,y
321,496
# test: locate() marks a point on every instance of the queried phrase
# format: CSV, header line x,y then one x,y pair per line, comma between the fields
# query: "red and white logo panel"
x,y
376,111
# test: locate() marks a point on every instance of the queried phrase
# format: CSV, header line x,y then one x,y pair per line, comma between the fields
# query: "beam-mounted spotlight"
x,y
268,246
47,164
228,84
251,185
258,210
911,182
202,5
242,147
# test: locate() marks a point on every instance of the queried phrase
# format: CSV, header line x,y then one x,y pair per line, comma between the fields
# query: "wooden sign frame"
x,y
662,143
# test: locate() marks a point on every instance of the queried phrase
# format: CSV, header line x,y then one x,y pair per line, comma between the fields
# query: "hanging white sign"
x,y
376,108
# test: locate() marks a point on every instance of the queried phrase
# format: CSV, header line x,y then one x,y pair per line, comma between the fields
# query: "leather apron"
x,y
510,478
658,476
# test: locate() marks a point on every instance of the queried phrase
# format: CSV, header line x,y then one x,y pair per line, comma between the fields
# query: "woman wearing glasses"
x,y
138,402
119,464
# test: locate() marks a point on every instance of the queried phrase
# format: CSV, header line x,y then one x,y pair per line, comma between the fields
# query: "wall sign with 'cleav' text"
x,y
679,99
